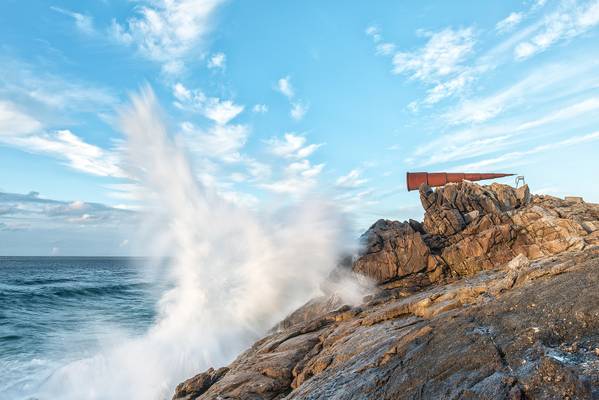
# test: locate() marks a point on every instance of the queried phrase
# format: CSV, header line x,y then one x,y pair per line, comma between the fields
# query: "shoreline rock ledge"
x,y
493,296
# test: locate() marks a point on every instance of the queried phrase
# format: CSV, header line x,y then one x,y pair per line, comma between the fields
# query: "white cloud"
x,y
486,139
221,111
508,23
14,122
126,191
304,168
260,108
447,88
544,83
30,84
222,142
374,33
258,170
292,146
183,94
299,177
215,109
31,212
166,30
285,87
217,61
65,145
83,22
518,155
439,64
442,55
385,49
19,130
173,67
568,21
352,180
298,110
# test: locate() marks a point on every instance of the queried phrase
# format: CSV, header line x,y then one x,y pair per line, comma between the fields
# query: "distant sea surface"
x,y
55,310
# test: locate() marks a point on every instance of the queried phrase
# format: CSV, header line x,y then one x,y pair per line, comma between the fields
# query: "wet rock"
x,y
199,384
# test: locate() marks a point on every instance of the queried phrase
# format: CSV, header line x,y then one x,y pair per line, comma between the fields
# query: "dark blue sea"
x,y
56,310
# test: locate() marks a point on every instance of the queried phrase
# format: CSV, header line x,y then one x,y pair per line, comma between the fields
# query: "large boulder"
x,y
391,250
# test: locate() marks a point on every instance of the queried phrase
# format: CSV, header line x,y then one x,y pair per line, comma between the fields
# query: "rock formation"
x,y
493,296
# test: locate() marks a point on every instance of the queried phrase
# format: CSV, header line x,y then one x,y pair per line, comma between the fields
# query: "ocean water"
x,y
56,310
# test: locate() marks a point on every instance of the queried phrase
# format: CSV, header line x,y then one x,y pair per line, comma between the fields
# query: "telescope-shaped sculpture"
x,y
415,179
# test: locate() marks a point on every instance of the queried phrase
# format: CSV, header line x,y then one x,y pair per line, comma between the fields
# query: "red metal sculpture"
x,y
415,179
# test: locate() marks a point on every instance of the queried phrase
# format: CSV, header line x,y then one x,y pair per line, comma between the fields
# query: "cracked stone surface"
x,y
507,307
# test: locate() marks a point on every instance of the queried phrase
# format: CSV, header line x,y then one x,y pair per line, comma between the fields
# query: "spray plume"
x,y
234,273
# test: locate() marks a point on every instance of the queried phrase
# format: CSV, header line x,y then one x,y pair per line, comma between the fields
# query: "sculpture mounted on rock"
x,y
435,179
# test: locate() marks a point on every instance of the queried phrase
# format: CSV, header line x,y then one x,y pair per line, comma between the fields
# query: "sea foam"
x,y
234,272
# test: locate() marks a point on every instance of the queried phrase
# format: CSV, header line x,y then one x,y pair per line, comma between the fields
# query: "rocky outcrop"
x,y
392,250
468,228
493,296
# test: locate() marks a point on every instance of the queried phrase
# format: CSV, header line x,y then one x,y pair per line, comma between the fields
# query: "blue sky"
x,y
274,99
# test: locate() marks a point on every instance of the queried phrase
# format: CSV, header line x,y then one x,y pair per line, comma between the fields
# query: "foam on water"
x,y
234,273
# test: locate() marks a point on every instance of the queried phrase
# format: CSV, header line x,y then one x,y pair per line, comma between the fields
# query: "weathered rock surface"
x,y
393,250
494,296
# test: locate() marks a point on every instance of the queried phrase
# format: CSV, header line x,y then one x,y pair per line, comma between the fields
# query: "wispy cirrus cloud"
x,y
443,54
222,142
352,180
166,31
213,108
84,23
76,153
571,19
542,84
521,155
440,64
32,85
486,139
15,122
292,146
509,22
298,177
299,108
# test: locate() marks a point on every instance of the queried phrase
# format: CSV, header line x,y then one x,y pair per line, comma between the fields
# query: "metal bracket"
x,y
520,178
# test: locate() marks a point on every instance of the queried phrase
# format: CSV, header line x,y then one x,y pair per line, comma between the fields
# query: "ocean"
x,y
56,310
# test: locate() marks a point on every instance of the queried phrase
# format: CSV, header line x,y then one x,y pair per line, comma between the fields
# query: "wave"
x,y
91,291
40,281
233,272
12,295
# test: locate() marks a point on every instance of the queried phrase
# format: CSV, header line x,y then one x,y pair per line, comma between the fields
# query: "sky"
x,y
274,100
